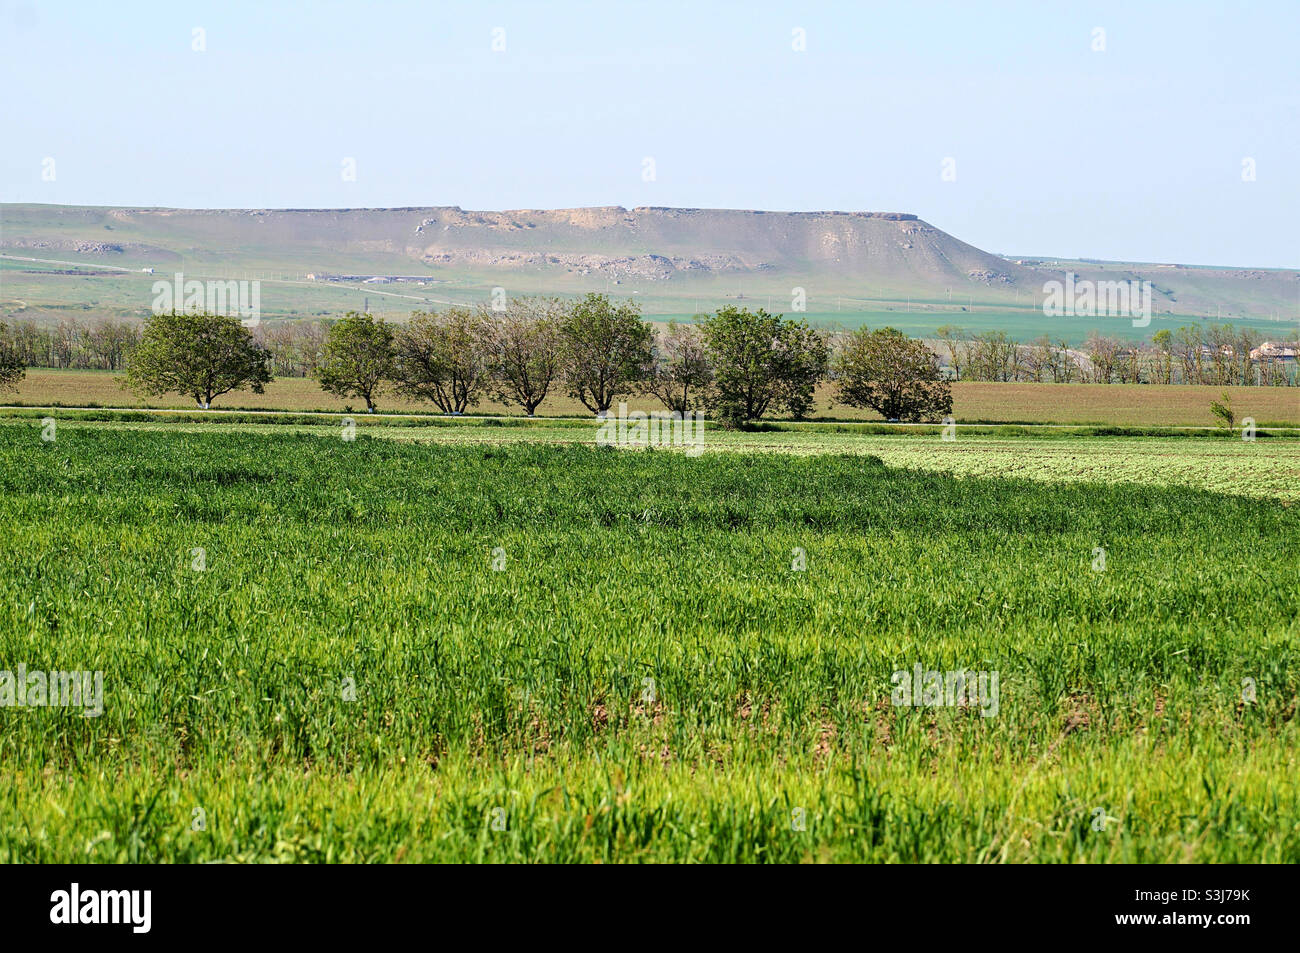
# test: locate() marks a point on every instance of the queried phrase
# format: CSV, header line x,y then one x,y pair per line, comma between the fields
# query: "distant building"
x,y
1269,351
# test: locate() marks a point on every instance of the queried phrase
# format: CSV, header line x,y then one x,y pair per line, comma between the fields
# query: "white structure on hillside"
x,y
1269,351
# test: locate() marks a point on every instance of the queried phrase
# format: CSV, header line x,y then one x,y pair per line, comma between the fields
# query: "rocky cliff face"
x,y
641,244
687,253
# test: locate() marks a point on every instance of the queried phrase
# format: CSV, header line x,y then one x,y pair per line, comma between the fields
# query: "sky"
x,y
1172,135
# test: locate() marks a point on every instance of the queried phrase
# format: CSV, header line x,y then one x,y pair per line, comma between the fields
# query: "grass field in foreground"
x,y
647,677
1122,405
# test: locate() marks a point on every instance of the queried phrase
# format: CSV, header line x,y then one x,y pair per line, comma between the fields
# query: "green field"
x,y
974,402
646,676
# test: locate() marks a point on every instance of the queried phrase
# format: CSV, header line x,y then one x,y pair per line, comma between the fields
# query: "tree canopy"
x,y
607,350
761,360
680,375
200,355
523,351
357,358
894,375
438,358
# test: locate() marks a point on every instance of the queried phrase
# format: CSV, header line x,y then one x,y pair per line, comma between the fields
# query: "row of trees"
x,y
598,349
106,345
87,345
737,364
1219,355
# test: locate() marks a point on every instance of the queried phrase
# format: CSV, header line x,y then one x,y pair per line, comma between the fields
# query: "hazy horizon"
x,y
1133,152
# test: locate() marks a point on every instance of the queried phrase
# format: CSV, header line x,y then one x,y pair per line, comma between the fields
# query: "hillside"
x,y
678,261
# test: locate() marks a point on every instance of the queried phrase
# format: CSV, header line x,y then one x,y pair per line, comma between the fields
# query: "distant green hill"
x,y
851,267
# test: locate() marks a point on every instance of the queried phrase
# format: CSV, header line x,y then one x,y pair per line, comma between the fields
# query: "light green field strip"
x,y
1036,804
1267,467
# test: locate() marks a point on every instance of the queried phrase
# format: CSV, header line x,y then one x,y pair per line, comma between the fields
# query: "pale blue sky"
x,y
1131,153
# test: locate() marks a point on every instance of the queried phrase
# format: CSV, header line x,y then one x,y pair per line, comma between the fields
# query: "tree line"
x,y
736,365
1218,355
85,345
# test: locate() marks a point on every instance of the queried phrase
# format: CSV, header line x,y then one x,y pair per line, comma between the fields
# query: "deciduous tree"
x,y
607,350
357,358
522,348
762,360
893,375
438,357
681,373
200,355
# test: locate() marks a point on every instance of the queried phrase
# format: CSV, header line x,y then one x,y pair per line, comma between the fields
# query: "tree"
x,y
953,339
1189,344
1222,409
1037,359
1060,362
310,338
1220,338
893,375
12,365
1247,341
357,358
1163,341
200,355
681,374
1106,355
439,358
992,356
107,344
759,360
522,348
280,338
607,350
